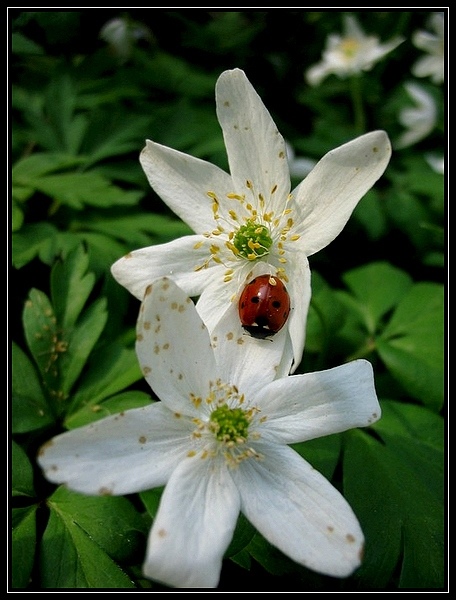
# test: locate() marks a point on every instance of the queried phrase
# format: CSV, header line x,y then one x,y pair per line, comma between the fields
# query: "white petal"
x,y
182,181
303,407
173,347
256,150
247,362
121,454
299,288
242,359
194,526
177,259
297,510
326,198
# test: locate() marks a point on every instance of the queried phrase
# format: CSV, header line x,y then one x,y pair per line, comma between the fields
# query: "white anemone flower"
x,y
247,223
432,63
418,120
350,54
219,442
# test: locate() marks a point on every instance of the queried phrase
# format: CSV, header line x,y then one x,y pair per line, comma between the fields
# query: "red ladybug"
x,y
264,306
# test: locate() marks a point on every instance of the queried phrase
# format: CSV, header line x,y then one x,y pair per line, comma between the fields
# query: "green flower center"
x,y
252,240
349,47
230,425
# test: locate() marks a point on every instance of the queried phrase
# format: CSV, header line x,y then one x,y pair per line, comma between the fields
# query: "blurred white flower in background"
x,y
351,53
299,166
432,63
418,120
121,34
435,161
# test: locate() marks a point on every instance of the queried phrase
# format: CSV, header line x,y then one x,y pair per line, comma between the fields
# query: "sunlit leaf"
x,y
412,344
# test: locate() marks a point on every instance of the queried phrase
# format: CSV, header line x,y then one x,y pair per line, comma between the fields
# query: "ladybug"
x,y
264,306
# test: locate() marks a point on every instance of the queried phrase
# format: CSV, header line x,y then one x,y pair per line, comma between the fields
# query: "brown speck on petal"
x,y
350,538
103,491
44,447
161,533
230,335
330,528
142,439
375,149
139,337
146,324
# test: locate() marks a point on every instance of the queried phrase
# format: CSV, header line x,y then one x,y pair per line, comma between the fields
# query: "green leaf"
x,y
81,342
242,536
83,536
322,453
412,343
111,370
21,473
110,406
32,240
77,190
23,544
30,409
270,557
325,316
43,338
71,286
378,287
396,490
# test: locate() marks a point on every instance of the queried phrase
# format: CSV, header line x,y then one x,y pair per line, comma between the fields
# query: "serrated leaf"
x,y
23,544
81,341
76,190
71,286
30,241
30,409
110,370
412,344
43,337
21,473
396,490
73,547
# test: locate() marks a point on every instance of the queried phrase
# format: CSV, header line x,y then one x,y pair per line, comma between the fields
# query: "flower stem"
x,y
357,103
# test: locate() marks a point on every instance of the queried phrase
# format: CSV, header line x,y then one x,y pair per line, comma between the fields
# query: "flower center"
x,y
349,47
229,424
251,241
228,430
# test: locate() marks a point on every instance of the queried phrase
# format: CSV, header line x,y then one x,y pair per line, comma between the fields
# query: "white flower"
x,y
122,33
350,54
419,120
218,440
432,64
247,223
436,162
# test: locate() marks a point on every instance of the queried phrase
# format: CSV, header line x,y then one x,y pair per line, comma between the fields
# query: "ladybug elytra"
x,y
264,306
